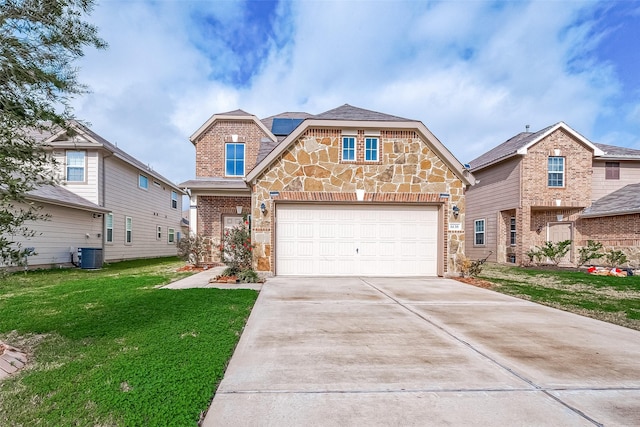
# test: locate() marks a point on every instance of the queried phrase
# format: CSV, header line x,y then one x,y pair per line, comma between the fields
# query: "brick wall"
x,y
621,232
210,147
211,209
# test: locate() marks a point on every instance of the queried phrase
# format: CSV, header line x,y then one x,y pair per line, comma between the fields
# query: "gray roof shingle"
x,y
59,195
507,148
349,112
216,183
623,201
618,152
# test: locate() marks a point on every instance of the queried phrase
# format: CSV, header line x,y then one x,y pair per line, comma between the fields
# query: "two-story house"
x,y
346,192
106,200
553,185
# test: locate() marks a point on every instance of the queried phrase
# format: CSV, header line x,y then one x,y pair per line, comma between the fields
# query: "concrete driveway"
x,y
381,351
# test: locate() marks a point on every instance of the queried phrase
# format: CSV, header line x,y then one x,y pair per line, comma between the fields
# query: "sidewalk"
x,y
201,280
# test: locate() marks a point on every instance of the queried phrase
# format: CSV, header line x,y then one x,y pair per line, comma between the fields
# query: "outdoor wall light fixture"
x,y
456,211
263,208
238,210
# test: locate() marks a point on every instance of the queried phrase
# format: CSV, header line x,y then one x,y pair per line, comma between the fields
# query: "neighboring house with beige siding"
x,y
552,185
346,192
105,199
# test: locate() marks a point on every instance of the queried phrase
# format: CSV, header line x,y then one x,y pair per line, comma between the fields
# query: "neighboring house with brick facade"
x,y
105,199
346,192
553,185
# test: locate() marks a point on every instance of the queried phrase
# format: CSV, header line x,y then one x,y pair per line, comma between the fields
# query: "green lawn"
x,y
612,299
108,347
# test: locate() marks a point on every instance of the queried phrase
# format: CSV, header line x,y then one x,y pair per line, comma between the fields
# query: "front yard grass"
x,y
611,299
109,348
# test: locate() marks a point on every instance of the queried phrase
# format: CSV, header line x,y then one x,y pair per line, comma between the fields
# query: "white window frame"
x,y
108,225
68,166
354,149
174,199
476,233
158,232
128,230
555,172
226,157
171,235
140,181
512,231
377,148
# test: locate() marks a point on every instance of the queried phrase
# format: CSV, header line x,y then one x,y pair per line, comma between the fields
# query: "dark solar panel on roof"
x,y
284,126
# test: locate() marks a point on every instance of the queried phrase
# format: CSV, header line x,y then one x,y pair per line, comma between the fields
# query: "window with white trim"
x,y
349,148
371,149
478,232
234,159
174,200
75,166
171,235
158,232
143,181
128,230
108,235
512,231
555,172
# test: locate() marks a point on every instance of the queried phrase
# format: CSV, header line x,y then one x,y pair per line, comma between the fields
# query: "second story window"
x,y
349,148
143,181
371,149
174,200
555,172
234,159
75,166
612,170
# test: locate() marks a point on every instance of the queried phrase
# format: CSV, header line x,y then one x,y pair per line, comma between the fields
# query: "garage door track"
x,y
380,351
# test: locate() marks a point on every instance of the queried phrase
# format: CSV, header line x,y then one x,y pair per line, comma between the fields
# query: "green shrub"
x,y
248,276
589,252
193,248
615,258
551,251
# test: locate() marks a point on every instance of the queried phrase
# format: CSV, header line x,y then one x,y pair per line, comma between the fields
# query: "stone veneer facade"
x,y
311,170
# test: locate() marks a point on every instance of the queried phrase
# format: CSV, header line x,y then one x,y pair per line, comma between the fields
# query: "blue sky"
x,y
474,72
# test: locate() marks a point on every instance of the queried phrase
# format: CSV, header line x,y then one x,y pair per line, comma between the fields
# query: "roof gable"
x,y
231,115
522,142
347,115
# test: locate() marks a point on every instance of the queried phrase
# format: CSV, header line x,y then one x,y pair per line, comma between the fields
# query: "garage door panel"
x,y
356,240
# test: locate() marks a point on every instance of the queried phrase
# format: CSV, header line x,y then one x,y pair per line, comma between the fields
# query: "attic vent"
x,y
283,127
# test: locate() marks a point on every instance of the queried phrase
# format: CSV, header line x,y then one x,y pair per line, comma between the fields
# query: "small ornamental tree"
x,y
236,250
589,252
193,248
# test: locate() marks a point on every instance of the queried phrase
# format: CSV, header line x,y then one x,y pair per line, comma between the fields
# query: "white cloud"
x,y
474,72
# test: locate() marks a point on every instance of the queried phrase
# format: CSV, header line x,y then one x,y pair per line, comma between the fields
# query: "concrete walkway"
x,y
411,352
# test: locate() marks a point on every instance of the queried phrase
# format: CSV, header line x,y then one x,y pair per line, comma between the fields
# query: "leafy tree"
x,y
193,248
615,258
39,41
550,250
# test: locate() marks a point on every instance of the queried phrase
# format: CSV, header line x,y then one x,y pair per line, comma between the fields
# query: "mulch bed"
x,y
474,281
199,268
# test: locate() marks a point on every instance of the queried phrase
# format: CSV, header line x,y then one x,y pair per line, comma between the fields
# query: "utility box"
x,y
90,258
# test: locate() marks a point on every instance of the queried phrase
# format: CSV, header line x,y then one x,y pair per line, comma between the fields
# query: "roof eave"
x,y
67,205
610,213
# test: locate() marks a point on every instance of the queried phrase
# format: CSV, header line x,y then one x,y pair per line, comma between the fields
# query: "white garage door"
x,y
356,240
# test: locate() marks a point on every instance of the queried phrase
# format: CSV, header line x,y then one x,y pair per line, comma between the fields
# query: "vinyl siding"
x,y
498,190
149,209
65,232
629,174
89,188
